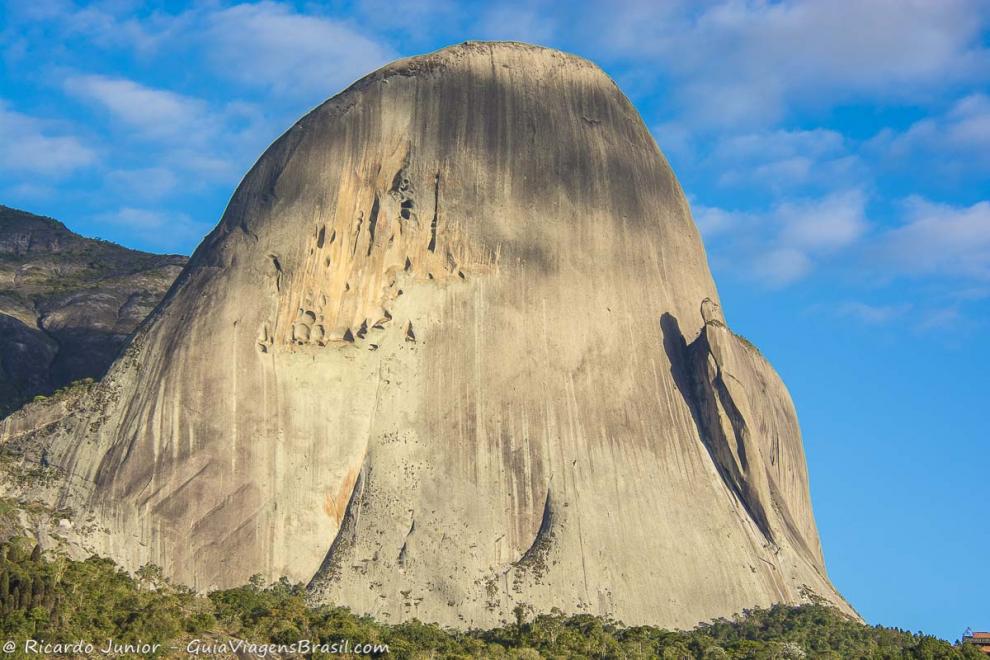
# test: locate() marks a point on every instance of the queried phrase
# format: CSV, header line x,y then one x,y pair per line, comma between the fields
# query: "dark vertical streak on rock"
x,y
278,271
357,233
403,559
373,223
432,247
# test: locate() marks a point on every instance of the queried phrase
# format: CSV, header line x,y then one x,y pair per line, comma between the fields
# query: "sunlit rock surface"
x,y
453,347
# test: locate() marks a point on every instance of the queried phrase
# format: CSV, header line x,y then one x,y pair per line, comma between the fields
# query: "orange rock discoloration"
x,y
335,502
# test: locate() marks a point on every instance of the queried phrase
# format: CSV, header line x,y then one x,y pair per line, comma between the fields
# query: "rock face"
x,y
67,303
453,347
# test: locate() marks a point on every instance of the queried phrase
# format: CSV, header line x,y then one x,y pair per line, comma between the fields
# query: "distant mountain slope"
x,y
67,303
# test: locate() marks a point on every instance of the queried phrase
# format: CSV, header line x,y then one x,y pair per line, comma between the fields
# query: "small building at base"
x,y
980,640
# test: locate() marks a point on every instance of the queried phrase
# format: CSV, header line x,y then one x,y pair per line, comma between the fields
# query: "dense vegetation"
x,y
60,600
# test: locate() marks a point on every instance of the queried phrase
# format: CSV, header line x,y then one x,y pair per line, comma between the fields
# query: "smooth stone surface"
x,y
453,347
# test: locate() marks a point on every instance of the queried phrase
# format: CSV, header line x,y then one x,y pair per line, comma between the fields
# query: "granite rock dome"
x,y
453,347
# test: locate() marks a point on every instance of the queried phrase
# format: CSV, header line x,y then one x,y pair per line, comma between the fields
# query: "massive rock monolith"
x,y
453,347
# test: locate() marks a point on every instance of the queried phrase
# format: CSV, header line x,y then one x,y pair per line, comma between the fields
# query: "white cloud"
x,y
28,192
516,23
941,319
712,221
783,244
780,144
105,24
106,28
31,146
450,21
272,46
193,139
939,239
145,183
872,314
208,166
967,124
781,266
155,113
264,45
751,63
823,225
160,230
674,139
781,160
410,13
961,135
39,10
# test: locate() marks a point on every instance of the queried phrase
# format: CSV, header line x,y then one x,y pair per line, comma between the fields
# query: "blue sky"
x,y
836,155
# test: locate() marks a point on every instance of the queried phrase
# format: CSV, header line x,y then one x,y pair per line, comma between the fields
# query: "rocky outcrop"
x,y
745,418
447,353
67,303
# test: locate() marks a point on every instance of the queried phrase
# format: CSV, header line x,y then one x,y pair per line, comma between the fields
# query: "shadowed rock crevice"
x,y
403,558
432,247
373,223
721,426
535,557
723,379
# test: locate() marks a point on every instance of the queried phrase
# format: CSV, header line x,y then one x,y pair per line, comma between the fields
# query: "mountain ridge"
x,y
67,303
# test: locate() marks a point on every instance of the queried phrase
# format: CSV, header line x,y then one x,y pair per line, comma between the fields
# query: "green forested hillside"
x,y
56,600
